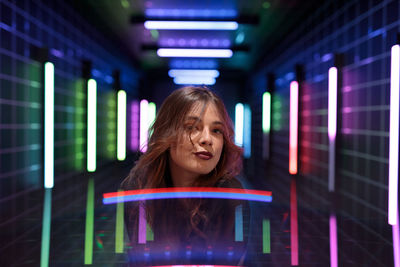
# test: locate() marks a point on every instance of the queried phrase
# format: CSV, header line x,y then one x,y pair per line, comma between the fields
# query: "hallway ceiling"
x,y
122,22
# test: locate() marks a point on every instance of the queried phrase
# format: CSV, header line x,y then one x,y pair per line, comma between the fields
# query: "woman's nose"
x,y
205,137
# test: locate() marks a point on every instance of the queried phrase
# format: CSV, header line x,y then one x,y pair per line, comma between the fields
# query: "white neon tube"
x,y
48,125
239,117
91,125
332,124
187,52
194,80
195,72
394,136
190,25
121,130
144,104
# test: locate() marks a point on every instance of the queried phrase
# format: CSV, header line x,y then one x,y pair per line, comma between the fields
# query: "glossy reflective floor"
x,y
270,232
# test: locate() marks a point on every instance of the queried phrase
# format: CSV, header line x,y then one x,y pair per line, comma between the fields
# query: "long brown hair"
x,y
152,169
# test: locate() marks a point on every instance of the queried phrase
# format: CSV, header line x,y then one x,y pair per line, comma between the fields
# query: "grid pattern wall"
x,y
70,39
363,31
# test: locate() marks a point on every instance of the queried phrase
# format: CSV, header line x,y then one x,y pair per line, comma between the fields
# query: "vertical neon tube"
x,y
394,137
333,240
45,248
294,242
79,134
396,243
151,116
149,233
239,223
239,117
332,130
144,106
293,134
266,112
135,125
266,123
332,124
142,224
109,149
91,125
121,130
247,132
266,236
393,210
48,125
119,228
89,223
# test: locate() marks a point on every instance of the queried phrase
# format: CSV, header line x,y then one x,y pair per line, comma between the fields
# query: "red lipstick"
x,y
204,155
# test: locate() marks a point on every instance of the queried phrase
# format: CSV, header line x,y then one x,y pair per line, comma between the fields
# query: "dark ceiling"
x,y
270,22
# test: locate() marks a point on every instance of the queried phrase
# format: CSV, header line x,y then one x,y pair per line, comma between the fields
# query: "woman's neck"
x,y
181,178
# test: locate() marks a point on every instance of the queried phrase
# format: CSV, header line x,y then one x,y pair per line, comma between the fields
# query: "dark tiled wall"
x,y
364,32
70,39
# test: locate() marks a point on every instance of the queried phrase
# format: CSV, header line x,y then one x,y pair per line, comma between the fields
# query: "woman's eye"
x,y
218,131
191,127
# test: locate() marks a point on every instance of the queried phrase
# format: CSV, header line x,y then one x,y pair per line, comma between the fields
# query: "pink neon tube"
x,y
142,225
396,243
333,240
293,131
294,242
134,125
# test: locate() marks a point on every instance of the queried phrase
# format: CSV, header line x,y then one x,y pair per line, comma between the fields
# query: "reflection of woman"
x,y
191,145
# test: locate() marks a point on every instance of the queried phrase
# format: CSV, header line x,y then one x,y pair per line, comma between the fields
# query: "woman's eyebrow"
x,y
200,120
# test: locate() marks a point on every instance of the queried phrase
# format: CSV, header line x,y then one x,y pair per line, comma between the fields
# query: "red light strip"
x,y
187,189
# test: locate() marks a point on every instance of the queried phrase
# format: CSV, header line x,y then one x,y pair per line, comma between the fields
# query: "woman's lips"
x,y
204,155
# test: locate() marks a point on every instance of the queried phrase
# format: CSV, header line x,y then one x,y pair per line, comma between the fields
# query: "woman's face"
x,y
199,149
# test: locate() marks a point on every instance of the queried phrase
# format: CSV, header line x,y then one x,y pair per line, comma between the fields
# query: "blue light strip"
x,y
199,13
247,132
168,195
239,223
194,80
192,72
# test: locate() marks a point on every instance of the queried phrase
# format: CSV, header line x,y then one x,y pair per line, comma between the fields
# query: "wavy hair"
x,y
152,168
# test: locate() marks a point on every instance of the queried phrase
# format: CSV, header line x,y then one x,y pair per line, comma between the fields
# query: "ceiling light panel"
x,y
190,25
208,53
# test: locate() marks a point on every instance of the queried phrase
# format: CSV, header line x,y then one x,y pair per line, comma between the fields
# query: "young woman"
x,y
191,145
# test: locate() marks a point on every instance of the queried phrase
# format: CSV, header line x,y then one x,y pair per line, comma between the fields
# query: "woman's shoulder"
x,y
231,182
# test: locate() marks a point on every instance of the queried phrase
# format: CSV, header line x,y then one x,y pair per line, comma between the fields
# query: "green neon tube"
x,y
48,125
266,236
121,130
91,125
149,233
266,112
119,228
89,223
45,249
152,115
